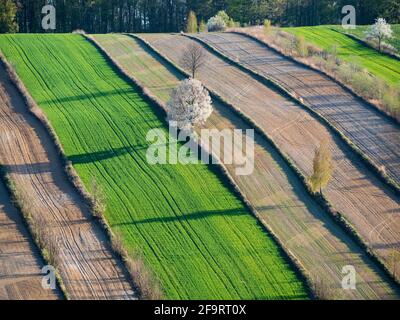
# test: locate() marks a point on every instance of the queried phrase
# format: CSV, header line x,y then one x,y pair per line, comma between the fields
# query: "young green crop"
x,y
193,233
350,50
360,33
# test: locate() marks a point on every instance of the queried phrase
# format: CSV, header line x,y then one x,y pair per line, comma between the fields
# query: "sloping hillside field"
x,y
194,235
360,33
277,195
375,135
350,50
83,256
354,191
20,262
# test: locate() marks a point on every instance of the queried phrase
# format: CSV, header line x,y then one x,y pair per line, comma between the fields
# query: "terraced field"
x,y
84,257
194,235
350,50
354,191
278,196
20,261
375,135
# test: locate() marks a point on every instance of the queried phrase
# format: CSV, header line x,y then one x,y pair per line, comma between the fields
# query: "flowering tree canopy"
x,y
216,23
190,104
379,31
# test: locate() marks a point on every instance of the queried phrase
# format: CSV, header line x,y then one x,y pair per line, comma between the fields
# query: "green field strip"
x,y
351,50
160,78
194,234
359,32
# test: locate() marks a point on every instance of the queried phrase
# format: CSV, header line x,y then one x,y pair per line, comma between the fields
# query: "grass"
x,y
360,33
350,50
137,59
193,233
160,80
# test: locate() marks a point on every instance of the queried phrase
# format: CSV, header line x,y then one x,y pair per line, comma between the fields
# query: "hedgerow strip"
x,y
393,185
296,264
69,170
125,104
324,202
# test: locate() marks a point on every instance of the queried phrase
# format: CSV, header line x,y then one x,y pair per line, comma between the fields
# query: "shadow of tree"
x,y
104,155
186,217
90,95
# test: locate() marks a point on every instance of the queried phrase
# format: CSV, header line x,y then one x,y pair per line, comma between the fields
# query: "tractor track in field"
x,y
203,242
273,190
354,191
20,260
377,136
86,262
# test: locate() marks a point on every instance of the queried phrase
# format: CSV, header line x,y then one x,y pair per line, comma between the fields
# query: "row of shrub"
x,y
220,22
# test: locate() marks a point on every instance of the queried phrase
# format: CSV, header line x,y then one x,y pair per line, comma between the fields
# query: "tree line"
x,y
102,16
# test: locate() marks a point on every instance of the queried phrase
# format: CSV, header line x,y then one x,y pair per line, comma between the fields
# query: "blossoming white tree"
x,y
379,31
190,104
216,23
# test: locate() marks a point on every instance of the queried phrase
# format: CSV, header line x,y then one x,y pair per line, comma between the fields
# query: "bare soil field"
x,y
371,207
84,258
375,135
275,192
20,260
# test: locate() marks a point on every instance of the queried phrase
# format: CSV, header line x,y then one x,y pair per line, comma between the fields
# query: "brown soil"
x,y
20,260
85,260
275,192
375,135
371,207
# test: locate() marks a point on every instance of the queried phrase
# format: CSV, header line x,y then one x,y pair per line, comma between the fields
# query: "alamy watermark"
x,y
49,20
49,278
349,281
349,20
229,147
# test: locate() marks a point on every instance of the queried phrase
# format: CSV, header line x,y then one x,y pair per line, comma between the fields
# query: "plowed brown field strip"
x,y
374,134
278,196
20,261
368,204
87,266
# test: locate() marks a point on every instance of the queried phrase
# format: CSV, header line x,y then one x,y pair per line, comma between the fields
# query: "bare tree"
x,y
193,58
